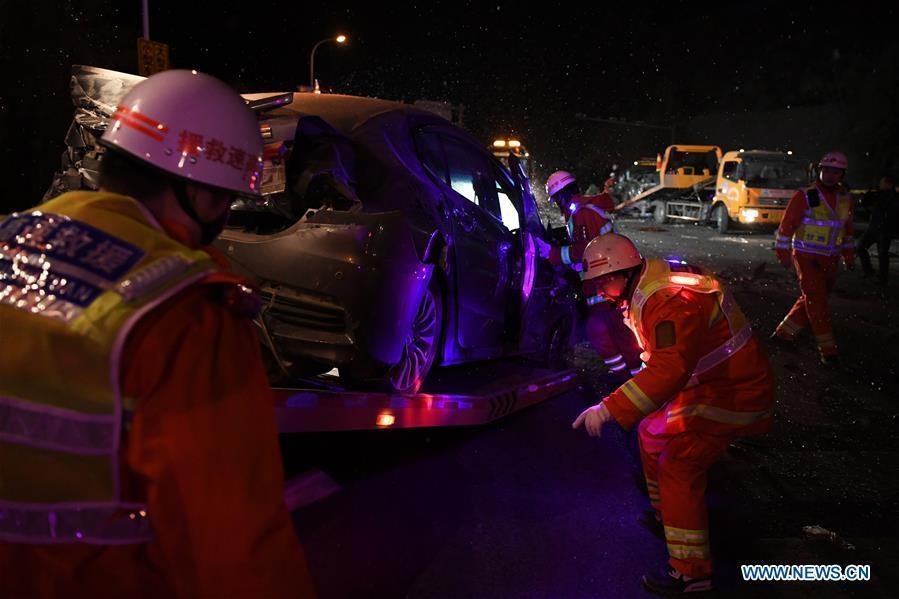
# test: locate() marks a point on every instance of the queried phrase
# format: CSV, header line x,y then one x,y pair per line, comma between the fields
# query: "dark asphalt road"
x,y
522,508
526,507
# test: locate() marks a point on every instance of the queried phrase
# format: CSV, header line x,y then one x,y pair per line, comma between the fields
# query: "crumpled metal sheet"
x,y
95,93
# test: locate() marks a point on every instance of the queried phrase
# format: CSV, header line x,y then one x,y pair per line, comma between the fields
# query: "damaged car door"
x,y
484,249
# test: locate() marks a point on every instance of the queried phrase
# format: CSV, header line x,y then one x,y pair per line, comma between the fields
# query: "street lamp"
x,y
340,39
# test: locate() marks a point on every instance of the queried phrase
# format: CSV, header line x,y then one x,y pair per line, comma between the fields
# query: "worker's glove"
x,y
783,256
594,417
543,248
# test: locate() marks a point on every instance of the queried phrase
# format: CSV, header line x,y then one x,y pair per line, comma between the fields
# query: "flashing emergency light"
x,y
684,280
572,207
675,261
386,419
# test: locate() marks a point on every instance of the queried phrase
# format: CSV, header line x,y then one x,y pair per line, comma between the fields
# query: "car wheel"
x,y
722,218
421,345
659,215
558,345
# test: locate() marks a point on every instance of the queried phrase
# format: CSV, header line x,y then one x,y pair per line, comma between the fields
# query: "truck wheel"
x,y
722,218
659,213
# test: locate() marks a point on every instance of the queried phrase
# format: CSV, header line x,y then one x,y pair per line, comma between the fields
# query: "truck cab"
x,y
754,187
504,148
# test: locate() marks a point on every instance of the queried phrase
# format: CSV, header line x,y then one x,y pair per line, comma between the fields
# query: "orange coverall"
x,y
684,428
605,327
202,449
817,276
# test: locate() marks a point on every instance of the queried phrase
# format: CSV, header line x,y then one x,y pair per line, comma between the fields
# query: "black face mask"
x,y
208,230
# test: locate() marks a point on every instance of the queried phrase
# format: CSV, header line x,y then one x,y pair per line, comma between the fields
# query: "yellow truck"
x,y
697,183
754,187
685,174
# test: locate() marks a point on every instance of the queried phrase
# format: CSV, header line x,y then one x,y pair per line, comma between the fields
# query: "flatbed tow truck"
x,y
686,176
465,395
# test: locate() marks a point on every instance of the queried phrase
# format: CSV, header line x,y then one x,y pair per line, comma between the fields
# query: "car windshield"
x,y
775,173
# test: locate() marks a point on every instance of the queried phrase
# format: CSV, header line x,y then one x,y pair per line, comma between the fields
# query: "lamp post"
x,y
340,39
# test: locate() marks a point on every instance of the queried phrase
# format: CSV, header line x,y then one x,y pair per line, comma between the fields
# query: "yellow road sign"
x,y
152,57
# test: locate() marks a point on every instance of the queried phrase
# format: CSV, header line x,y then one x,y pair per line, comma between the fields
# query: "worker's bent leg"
x,y
797,318
651,446
817,276
883,257
861,248
683,468
795,321
600,335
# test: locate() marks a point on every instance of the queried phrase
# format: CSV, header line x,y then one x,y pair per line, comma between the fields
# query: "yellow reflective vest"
x,y
76,276
822,228
661,274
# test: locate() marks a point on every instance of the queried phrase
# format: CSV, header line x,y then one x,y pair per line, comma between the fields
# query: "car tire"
x,y
721,218
659,214
557,345
422,344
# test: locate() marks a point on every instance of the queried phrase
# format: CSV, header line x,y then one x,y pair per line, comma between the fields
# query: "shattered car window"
x,y
430,152
470,176
509,214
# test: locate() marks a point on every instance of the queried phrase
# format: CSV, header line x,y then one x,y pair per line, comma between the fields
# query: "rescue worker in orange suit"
x,y
139,454
706,382
815,232
587,218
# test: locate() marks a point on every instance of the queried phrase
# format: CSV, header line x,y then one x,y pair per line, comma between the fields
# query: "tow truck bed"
x,y
454,396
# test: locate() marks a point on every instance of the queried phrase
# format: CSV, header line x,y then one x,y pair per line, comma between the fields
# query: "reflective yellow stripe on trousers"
x,y
717,414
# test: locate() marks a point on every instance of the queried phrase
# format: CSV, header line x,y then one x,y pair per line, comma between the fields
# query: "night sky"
x,y
524,71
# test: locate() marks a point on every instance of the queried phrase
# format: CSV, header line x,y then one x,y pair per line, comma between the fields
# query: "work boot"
x,y
832,362
782,343
651,521
668,581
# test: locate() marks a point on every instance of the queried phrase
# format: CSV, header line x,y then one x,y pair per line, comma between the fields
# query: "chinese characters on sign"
x,y
152,57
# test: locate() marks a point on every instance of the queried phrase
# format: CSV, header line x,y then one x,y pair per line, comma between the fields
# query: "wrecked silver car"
x,y
387,240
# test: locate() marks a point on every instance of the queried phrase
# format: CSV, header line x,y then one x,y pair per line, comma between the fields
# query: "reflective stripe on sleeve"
x,y
637,397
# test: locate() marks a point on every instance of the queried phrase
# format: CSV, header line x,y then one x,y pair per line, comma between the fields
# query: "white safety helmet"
x,y
610,253
193,126
834,160
558,181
